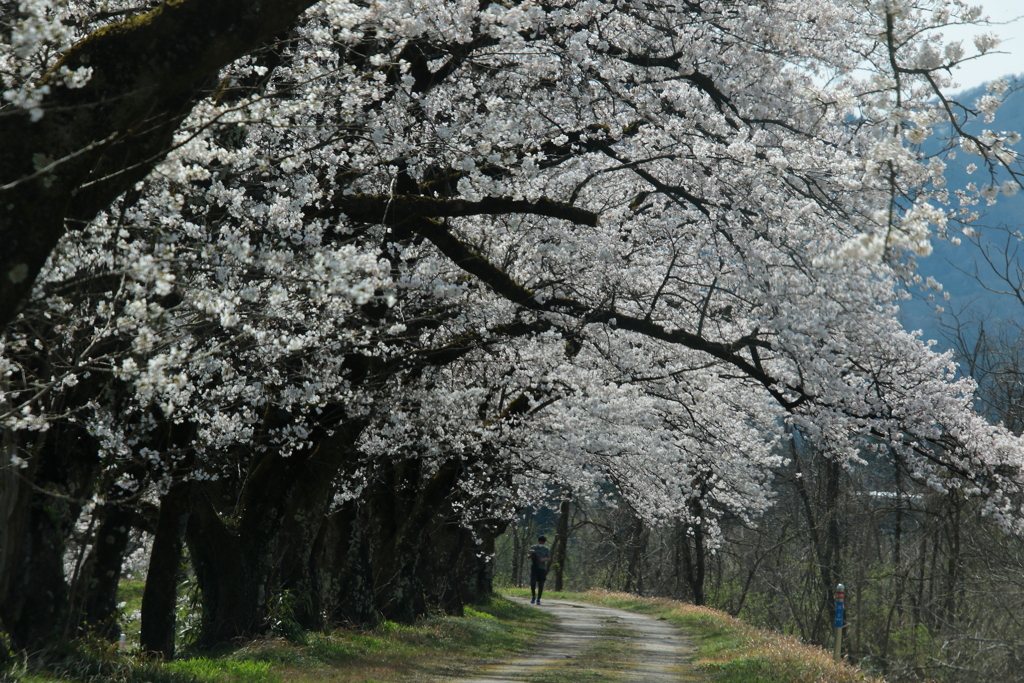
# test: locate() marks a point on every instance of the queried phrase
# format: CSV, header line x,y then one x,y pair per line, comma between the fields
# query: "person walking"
x,y
540,559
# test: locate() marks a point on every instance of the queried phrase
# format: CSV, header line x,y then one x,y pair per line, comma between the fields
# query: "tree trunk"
x,y
637,546
561,542
14,507
159,599
693,561
402,548
834,554
827,546
518,552
344,570
952,579
403,512
36,610
104,571
241,563
35,607
233,573
458,571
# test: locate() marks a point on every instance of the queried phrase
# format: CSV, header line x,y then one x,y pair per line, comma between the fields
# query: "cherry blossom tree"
x,y
367,275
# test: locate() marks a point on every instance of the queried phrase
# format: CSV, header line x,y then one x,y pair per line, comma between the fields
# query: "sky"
x,y
992,66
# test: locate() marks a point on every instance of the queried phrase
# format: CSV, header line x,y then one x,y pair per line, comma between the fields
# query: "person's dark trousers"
x,y
537,578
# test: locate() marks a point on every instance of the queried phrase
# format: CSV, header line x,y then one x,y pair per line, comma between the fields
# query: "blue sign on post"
x,y
840,609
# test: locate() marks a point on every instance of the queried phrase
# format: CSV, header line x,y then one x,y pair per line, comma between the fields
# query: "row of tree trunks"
x,y
397,550
402,547
392,553
242,556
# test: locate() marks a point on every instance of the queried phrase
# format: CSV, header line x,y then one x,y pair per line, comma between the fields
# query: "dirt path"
x,y
660,651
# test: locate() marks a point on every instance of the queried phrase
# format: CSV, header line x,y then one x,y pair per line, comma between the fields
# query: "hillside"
x,y
950,264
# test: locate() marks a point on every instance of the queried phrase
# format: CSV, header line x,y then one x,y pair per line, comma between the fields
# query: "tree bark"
x,y
100,612
35,607
159,598
346,575
518,552
637,546
953,560
14,507
233,571
561,542
402,515
828,546
242,560
693,562
402,548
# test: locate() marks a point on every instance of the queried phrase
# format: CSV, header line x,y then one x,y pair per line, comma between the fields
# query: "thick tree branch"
x,y
673,62
502,284
393,209
94,142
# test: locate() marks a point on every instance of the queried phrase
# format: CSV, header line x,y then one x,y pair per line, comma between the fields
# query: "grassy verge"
x,y
432,648
729,650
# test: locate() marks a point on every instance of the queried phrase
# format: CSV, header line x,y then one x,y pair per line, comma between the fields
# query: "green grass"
x,y
224,671
435,647
728,650
91,661
129,592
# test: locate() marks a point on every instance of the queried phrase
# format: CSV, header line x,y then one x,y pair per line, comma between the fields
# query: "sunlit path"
x,y
662,656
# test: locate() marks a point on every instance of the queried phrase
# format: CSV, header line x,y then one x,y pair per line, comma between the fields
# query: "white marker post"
x,y
840,614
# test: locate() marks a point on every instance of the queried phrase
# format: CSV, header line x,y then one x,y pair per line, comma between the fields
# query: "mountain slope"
x,y
953,265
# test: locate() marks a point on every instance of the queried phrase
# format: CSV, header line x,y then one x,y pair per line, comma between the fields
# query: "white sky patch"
x,y
1007,59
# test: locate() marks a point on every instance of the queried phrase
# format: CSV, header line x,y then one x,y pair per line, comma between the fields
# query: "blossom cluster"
x,y
711,207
